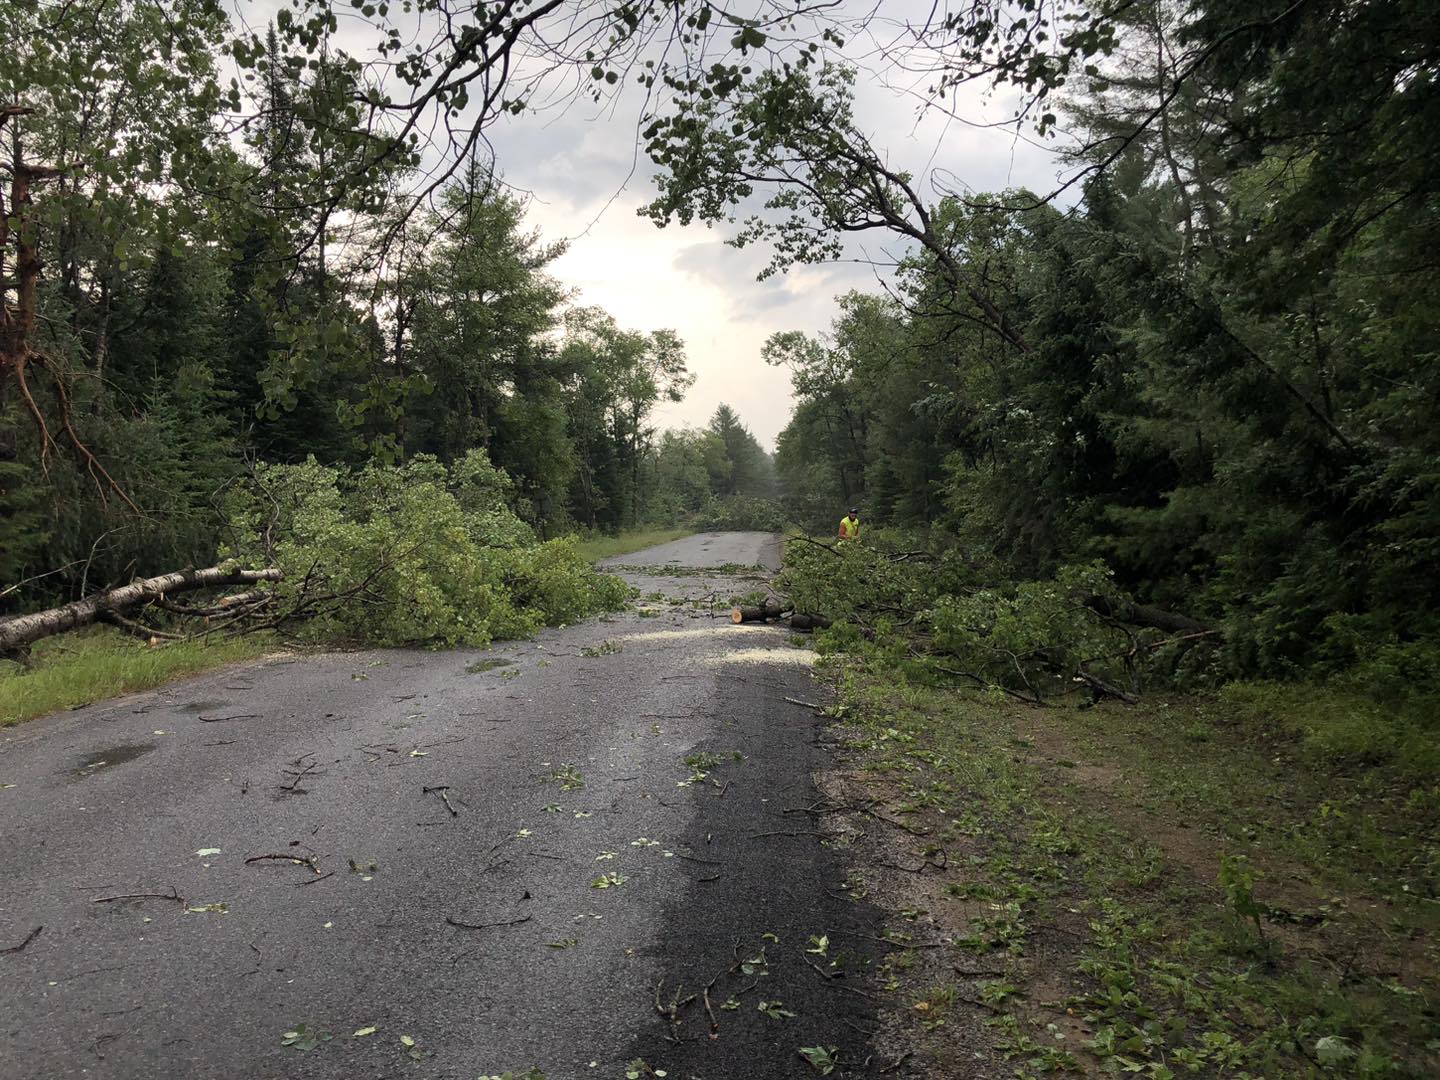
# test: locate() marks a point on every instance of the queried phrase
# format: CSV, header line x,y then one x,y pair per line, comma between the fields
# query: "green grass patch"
x,y
599,546
1222,885
71,670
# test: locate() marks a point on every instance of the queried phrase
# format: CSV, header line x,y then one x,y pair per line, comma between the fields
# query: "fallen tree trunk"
x,y
1099,688
807,621
17,633
771,609
226,605
1144,615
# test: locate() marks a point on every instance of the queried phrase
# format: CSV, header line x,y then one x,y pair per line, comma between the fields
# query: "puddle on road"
x,y
101,760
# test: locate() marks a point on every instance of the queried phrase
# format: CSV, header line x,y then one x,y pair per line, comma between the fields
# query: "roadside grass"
x,y
598,546
1175,888
75,669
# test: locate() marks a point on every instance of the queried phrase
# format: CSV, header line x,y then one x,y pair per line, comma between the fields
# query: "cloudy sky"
x,y
578,171
580,168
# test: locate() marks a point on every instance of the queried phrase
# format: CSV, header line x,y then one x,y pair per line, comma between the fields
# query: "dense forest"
x,y
200,315
1204,362
1214,371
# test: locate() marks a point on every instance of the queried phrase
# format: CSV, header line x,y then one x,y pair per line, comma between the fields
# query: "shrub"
x,y
408,554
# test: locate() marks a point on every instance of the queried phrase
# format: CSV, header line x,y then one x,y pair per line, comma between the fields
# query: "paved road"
x,y
562,759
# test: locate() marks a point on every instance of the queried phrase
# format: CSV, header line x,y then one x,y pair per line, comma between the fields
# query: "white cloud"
x,y
688,279
581,166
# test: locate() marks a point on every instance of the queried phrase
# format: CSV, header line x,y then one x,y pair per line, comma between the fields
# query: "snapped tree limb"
x,y
17,633
1126,611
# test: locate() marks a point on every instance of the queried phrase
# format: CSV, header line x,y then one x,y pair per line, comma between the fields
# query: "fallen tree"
x,y
776,608
1133,614
771,609
805,621
19,633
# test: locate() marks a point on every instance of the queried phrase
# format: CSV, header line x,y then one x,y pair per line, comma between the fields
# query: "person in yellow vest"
x,y
850,525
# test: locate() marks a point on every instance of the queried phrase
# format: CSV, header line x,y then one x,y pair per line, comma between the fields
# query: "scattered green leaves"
x,y
823,1059
303,1037
567,776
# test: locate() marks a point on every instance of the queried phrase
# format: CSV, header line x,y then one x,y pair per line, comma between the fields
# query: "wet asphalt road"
x,y
563,763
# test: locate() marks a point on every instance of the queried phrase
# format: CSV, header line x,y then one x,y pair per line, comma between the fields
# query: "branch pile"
x,y
1033,640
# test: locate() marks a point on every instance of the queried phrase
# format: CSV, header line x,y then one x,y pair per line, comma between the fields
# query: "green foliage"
x,y
1345,727
432,555
1159,972
1028,635
844,580
823,1059
743,512
1216,372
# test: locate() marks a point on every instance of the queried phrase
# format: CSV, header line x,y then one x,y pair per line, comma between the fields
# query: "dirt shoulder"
x,y
1154,890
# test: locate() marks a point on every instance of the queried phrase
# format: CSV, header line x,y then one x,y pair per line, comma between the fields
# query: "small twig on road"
x,y
824,807
441,791
486,925
912,869
823,973
236,716
692,858
714,1024
21,947
259,960
805,704
312,880
893,942
893,823
300,860
976,972
311,767
171,895
672,1012
759,835
906,1056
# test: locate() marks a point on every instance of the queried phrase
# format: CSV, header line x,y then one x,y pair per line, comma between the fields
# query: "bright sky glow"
x,y
580,168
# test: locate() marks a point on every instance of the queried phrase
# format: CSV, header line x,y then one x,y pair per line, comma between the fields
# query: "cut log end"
x,y
756,613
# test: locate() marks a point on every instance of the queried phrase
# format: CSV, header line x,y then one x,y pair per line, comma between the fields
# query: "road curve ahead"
x,y
564,854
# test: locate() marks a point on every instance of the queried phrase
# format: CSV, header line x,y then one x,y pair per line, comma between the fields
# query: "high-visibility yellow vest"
x,y
849,528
